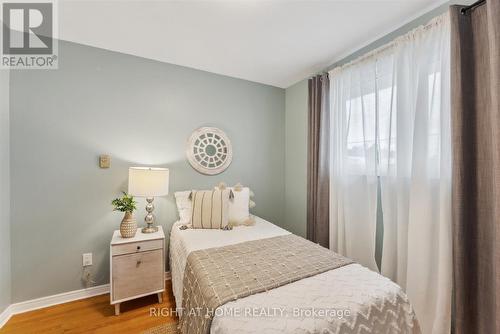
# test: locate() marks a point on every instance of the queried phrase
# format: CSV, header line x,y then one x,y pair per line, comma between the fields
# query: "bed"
x,y
349,299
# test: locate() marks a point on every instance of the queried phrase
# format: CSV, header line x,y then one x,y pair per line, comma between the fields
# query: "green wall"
x,y
296,158
5,272
140,112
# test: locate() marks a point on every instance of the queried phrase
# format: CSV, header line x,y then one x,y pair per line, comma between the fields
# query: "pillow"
x,y
239,204
210,209
184,206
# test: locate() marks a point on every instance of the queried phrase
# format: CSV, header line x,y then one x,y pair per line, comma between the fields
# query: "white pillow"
x,y
239,213
184,206
238,206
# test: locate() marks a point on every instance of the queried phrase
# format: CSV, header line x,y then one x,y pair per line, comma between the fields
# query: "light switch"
x,y
104,161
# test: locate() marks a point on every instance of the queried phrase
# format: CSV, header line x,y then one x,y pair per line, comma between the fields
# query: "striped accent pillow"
x,y
210,209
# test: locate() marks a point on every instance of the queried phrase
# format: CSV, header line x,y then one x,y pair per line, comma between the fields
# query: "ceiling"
x,y
272,42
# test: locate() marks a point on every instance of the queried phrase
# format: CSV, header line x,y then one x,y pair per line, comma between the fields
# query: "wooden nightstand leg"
x,y
117,309
160,297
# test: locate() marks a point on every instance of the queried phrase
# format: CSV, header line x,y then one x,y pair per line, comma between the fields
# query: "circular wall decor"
x,y
209,150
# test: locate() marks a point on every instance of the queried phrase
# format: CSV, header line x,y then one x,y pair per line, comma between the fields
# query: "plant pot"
x,y
128,226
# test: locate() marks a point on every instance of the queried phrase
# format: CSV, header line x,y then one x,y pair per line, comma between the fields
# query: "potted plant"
x,y
127,204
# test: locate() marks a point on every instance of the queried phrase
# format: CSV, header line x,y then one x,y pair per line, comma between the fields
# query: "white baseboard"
x,y
61,298
5,316
35,304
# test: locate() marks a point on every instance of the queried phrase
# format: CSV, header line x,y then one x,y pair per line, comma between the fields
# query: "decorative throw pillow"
x,y
210,209
239,204
184,206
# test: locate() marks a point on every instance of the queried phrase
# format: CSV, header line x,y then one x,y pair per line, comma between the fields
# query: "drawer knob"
x,y
139,262
138,247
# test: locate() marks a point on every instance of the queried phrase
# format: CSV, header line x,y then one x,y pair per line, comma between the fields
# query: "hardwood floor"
x,y
93,315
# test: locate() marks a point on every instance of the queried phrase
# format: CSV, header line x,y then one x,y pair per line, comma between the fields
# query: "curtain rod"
x,y
467,9
429,25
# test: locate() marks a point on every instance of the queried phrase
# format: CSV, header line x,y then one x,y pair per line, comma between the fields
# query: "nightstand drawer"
x,y
137,274
135,247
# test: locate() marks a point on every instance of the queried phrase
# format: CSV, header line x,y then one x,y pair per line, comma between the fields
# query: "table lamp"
x,y
148,182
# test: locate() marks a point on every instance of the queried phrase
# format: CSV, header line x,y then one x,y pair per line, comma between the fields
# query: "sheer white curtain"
x,y
391,166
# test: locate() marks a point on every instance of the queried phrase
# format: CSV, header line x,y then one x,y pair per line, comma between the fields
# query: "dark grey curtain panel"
x,y
318,179
475,75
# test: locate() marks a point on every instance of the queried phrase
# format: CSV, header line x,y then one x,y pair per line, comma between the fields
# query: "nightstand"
x,y
137,266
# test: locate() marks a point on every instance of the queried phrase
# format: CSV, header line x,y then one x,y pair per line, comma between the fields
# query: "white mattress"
x,y
350,299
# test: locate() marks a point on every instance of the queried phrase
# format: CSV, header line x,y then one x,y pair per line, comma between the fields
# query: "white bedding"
x,y
374,303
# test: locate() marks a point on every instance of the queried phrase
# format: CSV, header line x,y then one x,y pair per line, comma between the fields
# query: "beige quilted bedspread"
x,y
216,276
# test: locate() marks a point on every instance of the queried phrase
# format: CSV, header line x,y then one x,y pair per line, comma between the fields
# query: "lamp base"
x,y
150,229
150,217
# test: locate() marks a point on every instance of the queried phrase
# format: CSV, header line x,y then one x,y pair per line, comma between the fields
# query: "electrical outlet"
x,y
87,259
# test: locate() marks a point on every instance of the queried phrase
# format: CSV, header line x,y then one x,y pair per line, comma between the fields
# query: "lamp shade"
x,y
148,182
